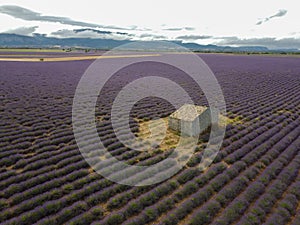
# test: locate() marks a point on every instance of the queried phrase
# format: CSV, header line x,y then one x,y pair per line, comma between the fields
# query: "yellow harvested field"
x,y
30,50
74,58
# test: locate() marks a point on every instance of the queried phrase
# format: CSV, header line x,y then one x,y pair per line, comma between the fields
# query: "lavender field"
x,y
254,179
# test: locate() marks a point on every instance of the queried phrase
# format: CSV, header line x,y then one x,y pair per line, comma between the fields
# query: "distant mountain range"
x,y
42,41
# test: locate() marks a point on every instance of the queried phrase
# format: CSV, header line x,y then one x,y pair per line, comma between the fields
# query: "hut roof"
x,y
188,112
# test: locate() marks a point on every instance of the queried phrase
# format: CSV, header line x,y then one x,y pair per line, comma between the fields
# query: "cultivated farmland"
x,y
254,179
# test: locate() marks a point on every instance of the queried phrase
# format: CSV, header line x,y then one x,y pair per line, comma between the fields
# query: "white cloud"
x,y
90,33
22,30
270,42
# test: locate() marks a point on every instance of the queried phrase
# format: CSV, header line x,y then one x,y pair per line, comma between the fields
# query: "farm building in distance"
x,y
191,120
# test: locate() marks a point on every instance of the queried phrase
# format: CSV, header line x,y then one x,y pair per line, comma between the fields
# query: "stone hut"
x,y
191,120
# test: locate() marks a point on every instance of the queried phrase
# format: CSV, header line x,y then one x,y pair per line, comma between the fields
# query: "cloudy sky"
x,y
270,23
